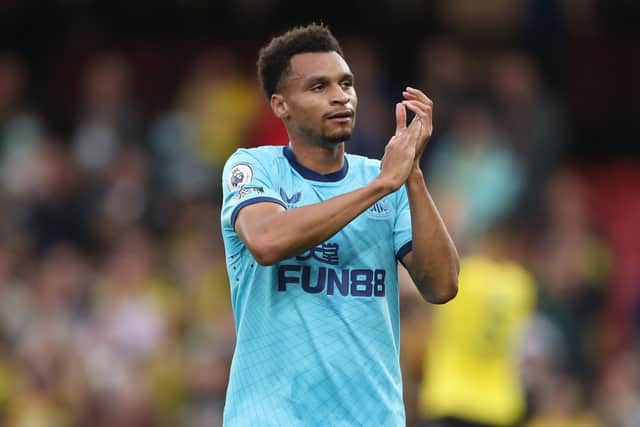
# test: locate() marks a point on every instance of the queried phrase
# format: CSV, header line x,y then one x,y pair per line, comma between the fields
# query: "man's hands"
x,y
403,152
400,152
416,101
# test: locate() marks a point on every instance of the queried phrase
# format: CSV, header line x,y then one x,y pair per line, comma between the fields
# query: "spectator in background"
x,y
562,404
21,131
131,320
131,316
129,407
50,383
572,266
108,117
220,100
532,121
207,333
491,19
56,205
122,200
470,370
474,172
618,394
12,80
215,103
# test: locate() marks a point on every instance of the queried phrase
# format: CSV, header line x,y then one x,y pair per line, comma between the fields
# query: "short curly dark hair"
x,y
273,59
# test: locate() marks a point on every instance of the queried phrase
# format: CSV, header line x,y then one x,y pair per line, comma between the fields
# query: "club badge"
x,y
380,209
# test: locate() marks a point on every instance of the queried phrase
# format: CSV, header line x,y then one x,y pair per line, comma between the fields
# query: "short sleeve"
x,y
245,181
402,228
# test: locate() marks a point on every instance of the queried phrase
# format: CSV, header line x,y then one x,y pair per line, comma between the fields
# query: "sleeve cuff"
x,y
404,249
245,203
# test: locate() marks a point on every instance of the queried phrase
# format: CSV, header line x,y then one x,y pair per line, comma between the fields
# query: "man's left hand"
x,y
416,101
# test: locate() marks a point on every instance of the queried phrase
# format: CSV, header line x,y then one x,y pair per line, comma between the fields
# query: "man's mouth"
x,y
342,116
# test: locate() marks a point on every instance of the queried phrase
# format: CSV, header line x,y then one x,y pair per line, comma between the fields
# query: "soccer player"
x,y
470,368
312,237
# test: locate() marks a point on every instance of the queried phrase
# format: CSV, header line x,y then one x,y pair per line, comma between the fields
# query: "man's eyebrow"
x,y
316,79
323,78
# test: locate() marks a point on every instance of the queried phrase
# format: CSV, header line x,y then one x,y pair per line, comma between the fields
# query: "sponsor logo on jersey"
x,y
356,282
379,210
244,192
240,175
326,253
290,201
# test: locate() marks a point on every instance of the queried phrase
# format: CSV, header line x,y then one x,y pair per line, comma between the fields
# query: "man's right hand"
x,y
400,151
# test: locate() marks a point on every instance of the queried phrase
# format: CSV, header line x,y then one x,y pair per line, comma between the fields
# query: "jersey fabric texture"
x,y
318,333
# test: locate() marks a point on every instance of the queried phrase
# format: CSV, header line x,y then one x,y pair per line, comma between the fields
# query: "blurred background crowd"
x,y
115,121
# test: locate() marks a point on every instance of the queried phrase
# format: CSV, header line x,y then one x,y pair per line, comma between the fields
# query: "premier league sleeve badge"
x,y
240,175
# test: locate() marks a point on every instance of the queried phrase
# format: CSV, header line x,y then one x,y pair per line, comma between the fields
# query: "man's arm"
x,y
433,261
272,233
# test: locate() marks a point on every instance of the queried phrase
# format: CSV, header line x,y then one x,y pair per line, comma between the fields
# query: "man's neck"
x,y
321,159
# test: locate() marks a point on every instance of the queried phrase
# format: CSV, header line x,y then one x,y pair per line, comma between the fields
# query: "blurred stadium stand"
x,y
116,117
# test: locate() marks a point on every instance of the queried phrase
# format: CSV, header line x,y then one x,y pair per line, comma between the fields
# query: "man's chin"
x,y
338,138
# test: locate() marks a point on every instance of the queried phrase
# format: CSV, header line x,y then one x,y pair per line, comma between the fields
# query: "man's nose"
x,y
339,95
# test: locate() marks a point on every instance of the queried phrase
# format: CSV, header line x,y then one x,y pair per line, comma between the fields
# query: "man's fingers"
x,y
401,118
417,107
422,112
415,129
413,93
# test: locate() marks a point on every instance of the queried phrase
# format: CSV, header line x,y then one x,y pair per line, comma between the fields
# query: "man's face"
x,y
320,98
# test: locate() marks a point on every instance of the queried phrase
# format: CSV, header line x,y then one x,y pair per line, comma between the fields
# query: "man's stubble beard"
x,y
337,139
327,140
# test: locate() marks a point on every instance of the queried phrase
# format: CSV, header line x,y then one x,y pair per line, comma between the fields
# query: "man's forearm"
x,y
281,235
433,262
273,235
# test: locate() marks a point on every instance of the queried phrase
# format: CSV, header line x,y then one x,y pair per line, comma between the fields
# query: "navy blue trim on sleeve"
x,y
405,249
236,210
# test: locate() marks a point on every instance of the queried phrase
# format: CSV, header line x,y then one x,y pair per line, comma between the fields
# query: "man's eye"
x,y
347,83
317,88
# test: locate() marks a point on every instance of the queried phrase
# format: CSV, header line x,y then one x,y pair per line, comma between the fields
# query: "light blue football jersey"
x,y
318,339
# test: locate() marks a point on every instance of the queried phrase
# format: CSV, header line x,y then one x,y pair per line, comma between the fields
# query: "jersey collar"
x,y
312,175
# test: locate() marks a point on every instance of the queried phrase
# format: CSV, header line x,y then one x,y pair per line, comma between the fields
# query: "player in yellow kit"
x,y
470,374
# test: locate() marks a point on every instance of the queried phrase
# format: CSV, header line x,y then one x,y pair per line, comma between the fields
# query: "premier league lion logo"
x,y
236,178
240,175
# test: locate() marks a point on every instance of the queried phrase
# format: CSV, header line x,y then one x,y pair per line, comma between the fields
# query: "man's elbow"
x,y
445,292
447,288
264,252
265,259
442,291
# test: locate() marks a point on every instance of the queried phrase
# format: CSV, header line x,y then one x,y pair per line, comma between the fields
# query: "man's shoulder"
x,y
264,155
358,161
260,153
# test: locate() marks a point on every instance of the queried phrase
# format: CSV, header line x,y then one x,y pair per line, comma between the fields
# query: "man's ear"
x,y
279,106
